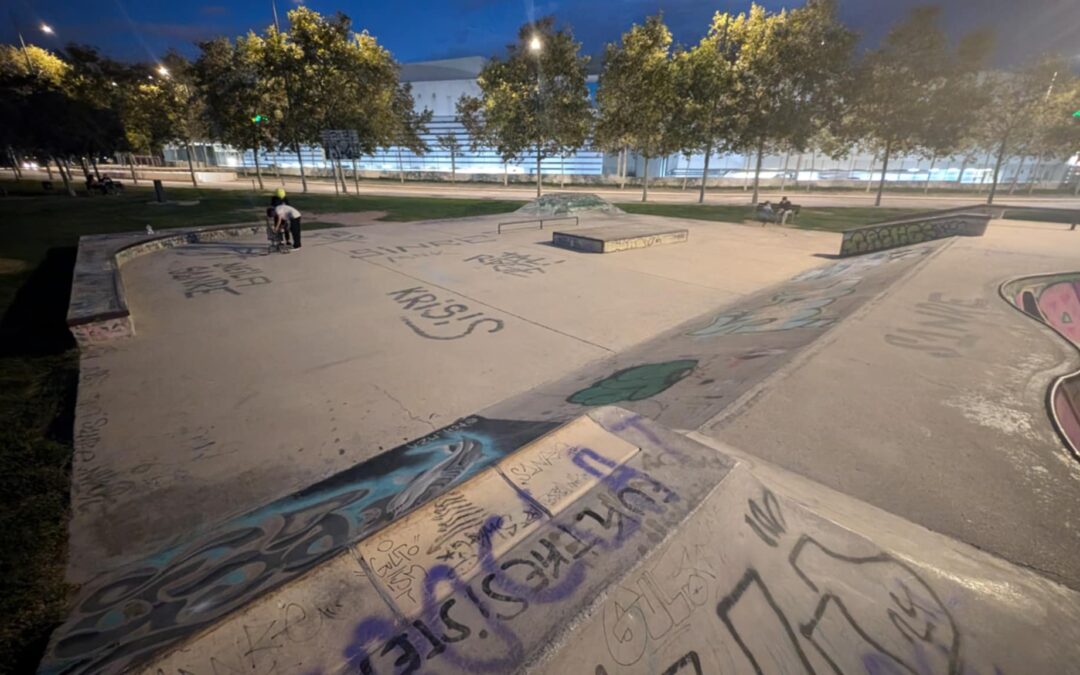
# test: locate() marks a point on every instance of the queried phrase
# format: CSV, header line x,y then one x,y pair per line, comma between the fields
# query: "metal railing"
x,y
538,220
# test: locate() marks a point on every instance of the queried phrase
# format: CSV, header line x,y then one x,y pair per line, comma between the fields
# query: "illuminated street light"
x,y
47,29
535,44
163,71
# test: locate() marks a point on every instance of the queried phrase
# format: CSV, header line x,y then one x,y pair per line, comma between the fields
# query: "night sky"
x,y
417,30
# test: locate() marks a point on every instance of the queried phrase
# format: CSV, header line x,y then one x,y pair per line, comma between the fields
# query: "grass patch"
x,y
831,219
1047,216
39,233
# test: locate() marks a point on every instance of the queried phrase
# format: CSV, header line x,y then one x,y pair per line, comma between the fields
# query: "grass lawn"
x,y
39,366
832,219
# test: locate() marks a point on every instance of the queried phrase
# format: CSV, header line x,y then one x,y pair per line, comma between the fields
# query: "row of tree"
x,y
277,90
757,83
764,82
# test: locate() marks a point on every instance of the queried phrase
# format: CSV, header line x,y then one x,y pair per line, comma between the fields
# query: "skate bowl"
x,y
915,230
568,204
611,544
98,310
1054,301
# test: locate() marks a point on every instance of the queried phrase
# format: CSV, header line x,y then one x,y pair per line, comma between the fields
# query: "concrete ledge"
x,y
98,311
895,233
613,545
613,238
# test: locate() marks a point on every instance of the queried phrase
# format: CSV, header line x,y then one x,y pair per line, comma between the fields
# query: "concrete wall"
x,y
912,231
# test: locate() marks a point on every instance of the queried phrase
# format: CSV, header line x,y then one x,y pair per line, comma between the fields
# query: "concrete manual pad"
x,y
622,237
686,558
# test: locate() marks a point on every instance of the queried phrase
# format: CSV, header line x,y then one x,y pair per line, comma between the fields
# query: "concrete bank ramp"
x,y
613,545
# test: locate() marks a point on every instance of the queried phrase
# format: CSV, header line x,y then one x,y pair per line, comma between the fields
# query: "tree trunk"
x,y
258,169
131,164
757,170
997,168
562,172
341,173
66,175
16,169
746,174
191,163
85,167
1035,175
333,175
1016,176
400,166
704,175
48,168
453,166
783,176
963,166
884,169
870,177
93,163
645,180
926,187
625,166
539,179
686,174
798,169
810,180
355,176
506,174
303,176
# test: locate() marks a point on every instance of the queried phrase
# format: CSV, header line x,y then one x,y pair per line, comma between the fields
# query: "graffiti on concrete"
x,y
634,384
943,328
862,264
784,311
514,264
392,254
1054,299
125,616
872,613
466,624
103,330
224,277
892,235
440,319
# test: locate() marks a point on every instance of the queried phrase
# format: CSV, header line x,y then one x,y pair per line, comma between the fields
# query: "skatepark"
x,y
455,446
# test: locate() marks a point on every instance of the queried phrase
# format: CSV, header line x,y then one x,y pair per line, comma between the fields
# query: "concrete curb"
x,y
98,310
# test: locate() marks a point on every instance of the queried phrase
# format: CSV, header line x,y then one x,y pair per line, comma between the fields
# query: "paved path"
x,y
526,192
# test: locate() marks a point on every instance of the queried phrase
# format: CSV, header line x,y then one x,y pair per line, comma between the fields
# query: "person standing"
x,y
276,200
288,215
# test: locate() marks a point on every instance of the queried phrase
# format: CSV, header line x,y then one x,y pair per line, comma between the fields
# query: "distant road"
x,y
630,194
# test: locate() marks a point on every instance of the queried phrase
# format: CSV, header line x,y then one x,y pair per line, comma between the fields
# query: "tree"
x,y
97,84
450,143
238,101
407,126
791,73
1014,100
534,99
907,89
709,116
32,80
636,99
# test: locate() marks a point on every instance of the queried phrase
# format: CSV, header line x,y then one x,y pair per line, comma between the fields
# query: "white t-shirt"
x,y
286,212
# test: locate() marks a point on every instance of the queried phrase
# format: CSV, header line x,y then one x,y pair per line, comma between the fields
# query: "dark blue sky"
x,y
428,29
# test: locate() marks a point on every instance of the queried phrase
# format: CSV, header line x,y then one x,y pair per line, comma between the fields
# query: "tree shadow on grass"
x,y
35,323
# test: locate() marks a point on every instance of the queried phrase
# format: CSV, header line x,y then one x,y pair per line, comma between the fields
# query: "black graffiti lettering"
x,y
429,313
535,571
552,560
623,493
437,645
448,311
461,629
768,519
408,662
756,637
688,659
485,585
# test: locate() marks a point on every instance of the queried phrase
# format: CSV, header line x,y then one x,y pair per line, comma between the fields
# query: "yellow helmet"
x,y
280,193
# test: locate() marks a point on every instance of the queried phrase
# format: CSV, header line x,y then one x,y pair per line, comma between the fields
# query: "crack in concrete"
x,y
405,408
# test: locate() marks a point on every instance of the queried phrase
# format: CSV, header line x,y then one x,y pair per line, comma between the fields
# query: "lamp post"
x,y
536,46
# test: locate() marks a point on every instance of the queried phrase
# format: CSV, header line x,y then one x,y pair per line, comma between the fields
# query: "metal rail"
x,y
576,220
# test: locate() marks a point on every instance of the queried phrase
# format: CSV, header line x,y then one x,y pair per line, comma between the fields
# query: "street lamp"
x,y
535,45
46,28
163,71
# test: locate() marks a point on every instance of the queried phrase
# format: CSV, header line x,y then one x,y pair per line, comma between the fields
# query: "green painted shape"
x,y
634,384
